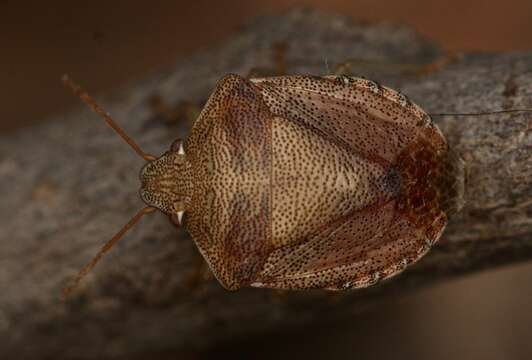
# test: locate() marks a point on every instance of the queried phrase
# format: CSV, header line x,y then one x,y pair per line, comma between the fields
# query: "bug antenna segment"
x,y
85,97
87,268
483,113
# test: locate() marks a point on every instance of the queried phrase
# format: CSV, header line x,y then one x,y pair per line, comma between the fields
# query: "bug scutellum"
x,y
299,182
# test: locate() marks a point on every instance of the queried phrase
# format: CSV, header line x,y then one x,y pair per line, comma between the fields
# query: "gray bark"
x,y
70,183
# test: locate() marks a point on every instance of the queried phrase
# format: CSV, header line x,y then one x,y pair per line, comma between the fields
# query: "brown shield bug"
x,y
298,182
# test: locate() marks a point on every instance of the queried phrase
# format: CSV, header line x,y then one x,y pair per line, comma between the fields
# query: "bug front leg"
x,y
200,273
184,112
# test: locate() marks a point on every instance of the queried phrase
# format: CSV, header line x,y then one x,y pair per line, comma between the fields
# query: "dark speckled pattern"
x,y
301,182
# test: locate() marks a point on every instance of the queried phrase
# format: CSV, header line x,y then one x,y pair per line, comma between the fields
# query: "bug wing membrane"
x,y
362,246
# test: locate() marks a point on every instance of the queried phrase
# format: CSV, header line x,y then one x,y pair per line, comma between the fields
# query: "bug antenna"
x,y
85,97
87,268
483,113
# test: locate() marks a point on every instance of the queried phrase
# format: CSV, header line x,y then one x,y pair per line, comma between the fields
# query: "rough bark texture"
x,y
70,183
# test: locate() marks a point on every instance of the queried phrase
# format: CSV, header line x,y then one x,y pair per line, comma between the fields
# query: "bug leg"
x,y
278,297
397,68
279,63
200,273
343,68
279,57
184,112
199,276
438,64
345,76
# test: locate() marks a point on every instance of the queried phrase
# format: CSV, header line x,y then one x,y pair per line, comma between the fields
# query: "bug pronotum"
x,y
297,182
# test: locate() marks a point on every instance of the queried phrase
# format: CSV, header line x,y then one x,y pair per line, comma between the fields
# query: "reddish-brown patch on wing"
x,y
432,183
230,149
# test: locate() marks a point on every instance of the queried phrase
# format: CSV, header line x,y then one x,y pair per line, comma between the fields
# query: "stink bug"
x,y
298,182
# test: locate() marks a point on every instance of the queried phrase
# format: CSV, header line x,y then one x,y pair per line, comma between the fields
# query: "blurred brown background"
x,y
105,44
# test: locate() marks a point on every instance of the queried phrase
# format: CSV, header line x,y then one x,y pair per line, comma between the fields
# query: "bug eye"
x,y
177,146
179,218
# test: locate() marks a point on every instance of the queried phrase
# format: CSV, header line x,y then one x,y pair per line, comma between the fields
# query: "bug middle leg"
x,y
199,276
278,59
402,68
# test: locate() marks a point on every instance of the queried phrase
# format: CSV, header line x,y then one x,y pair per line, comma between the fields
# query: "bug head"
x,y
165,181
156,177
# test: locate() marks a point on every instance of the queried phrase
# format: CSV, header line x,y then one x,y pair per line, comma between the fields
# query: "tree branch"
x,y
70,184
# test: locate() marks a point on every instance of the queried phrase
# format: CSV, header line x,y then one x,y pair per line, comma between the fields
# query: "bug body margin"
x,y
238,213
